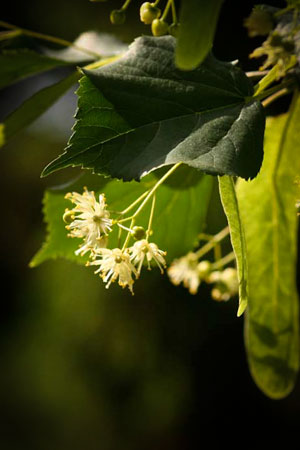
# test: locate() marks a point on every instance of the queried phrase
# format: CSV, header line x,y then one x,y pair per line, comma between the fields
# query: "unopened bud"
x,y
159,27
149,12
204,269
138,233
68,216
117,17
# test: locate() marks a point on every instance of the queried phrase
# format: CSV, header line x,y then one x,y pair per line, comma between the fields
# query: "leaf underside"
x,y
267,206
141,113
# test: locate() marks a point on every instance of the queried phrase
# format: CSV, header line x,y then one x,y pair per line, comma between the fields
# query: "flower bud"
x,y
230,279
149,12
220,294
68,216
117,17
204,269
159,27
138,233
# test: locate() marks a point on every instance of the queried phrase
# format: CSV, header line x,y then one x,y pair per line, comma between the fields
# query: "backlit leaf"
x,y
198,20
231,209
268,211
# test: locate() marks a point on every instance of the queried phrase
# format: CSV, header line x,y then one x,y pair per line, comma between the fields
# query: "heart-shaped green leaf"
x,y
141,113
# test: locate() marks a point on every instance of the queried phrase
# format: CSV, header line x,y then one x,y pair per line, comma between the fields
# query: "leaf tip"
x,y
48,169
242,307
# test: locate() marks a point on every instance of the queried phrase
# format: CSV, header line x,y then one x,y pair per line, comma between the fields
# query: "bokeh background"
x,y
87,368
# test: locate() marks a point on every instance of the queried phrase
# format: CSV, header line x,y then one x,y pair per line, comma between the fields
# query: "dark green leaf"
x,y
198,20
141,113
231,209
268,211
36,105
179,216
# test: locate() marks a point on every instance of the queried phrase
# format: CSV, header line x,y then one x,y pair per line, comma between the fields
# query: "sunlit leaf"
x,y
231,209
198,20
268,211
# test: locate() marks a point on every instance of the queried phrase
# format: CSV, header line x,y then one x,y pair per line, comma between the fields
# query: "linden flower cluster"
x,y
190,272
90,221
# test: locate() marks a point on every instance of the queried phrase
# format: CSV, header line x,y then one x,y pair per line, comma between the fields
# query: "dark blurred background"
x,y
89,368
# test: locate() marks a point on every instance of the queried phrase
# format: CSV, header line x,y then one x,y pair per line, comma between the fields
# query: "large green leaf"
x,y
180,212
198,20
36,105
231,208
141,113
267,207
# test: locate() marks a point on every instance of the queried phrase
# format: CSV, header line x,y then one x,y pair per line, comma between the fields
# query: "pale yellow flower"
x,y
114,264
142,250
184,270
89,220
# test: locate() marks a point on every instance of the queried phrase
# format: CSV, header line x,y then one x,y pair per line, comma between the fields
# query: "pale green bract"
x,y
267,206
231,209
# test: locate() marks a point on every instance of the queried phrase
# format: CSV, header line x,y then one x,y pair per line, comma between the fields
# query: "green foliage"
x,y
231,208
167,102
267,207
180,212
141,113
36,105
20,57
18,64
198,20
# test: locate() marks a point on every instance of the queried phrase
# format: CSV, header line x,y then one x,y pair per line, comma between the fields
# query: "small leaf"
x,y
18,64
21,56
198,20
179,216
267,207
231,209
35,106
141,113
